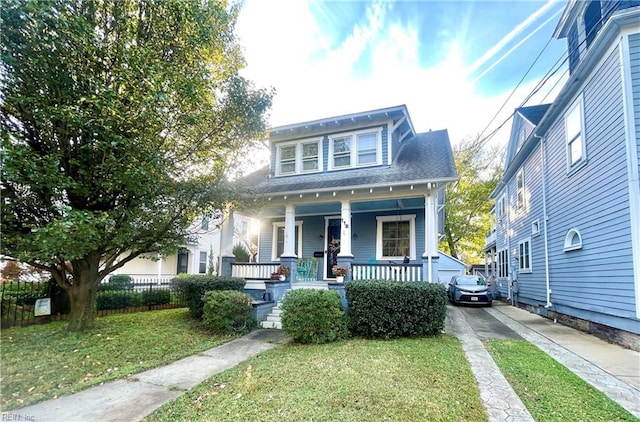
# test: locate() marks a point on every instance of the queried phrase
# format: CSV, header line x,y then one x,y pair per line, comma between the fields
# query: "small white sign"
x,y
43,307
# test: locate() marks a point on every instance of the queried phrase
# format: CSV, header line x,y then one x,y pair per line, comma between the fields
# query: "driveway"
x,y
486,326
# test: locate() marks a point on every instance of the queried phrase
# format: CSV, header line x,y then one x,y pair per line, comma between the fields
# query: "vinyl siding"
x,y
593,199
532,285
634,59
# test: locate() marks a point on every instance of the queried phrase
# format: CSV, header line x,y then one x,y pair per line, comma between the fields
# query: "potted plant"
x,y
280,273
340,272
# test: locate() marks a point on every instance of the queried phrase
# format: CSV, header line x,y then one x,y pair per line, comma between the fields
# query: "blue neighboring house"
x,y
362,190
565,238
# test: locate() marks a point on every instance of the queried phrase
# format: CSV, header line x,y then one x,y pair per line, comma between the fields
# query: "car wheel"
x,y
490,303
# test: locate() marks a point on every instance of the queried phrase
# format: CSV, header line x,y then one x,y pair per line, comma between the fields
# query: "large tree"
x,y
468,204
121,122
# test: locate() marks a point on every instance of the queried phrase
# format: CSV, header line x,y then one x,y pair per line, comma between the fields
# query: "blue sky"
x,y
453,63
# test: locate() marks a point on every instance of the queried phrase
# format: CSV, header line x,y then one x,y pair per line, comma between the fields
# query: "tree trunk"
x,y
83,306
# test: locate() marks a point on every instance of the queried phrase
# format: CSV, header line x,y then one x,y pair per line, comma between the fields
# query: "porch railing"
x,y
253,270
380,271
144,280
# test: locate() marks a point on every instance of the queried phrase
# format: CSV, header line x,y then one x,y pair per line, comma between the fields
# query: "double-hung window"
x,y
503,263
277,246
361,148
202,264
521,190
524,256
396,237
574,129
299,157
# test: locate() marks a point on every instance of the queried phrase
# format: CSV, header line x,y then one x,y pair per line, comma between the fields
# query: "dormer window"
x,y
355,149
592,21
299,157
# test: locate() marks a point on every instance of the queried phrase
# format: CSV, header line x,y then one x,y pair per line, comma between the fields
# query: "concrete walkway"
x,y
611,369
134,398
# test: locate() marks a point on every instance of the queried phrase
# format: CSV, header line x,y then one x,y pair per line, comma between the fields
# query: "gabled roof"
x,y
533,113
426,157
396,113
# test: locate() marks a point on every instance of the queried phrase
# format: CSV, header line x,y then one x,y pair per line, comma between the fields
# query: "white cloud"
x,y
285,48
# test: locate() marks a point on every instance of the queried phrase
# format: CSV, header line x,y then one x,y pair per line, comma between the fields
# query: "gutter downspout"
x,y
507,215
545,218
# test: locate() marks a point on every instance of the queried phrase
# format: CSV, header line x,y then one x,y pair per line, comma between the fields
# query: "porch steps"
x,y
274,319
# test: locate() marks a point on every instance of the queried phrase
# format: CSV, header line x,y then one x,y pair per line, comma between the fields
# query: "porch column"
x,y
345,257
226,243
159,268
289,258
430,256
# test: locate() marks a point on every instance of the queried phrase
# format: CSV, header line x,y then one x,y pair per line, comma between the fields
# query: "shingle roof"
x,y
534,113
424,157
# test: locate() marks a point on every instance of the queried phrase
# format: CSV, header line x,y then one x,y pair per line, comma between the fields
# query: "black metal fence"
x,y
19,300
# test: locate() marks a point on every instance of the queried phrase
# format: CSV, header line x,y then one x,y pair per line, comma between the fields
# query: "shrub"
x,y
193,288
117,300
156,297
227,312
241,253
313,316
388,309
118,282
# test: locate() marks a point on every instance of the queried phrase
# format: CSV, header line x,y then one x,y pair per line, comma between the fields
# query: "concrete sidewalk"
x,y
608,367
134,398
611,369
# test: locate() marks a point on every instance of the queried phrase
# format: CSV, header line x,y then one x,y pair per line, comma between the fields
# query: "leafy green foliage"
x,y
241,253
466,213
156,297
118,300
388,309
313,316
117,282
227,312
194,287
121,122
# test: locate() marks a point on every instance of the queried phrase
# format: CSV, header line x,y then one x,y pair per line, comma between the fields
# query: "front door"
x,y
333,245
183,261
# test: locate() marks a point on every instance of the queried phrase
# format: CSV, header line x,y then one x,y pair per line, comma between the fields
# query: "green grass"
x,y
45,361
549,390
354,380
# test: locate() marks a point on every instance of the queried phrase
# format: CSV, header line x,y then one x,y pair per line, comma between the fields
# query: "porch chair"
x,y
308,269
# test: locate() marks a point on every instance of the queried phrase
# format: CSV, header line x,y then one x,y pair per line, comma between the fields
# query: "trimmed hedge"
x,y
227,312
118,282
117,300
193,287
156,297
389,309
313,316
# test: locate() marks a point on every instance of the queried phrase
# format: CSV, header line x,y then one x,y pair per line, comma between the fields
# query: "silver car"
x,y
469,289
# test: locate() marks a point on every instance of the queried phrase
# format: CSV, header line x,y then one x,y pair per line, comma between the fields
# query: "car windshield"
x,y
471,281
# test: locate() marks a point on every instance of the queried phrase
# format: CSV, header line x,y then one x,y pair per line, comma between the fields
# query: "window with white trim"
x,y
299,157
396,237
501,208
535,228
202,264
356,149
503,263
521,189
277,246
524,256
573,240
574,130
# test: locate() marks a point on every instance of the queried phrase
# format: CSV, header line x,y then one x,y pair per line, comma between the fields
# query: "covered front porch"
x,y
383,233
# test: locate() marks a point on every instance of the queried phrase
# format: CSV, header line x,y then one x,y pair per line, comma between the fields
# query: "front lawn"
x,y
549,390
354,380
45,361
